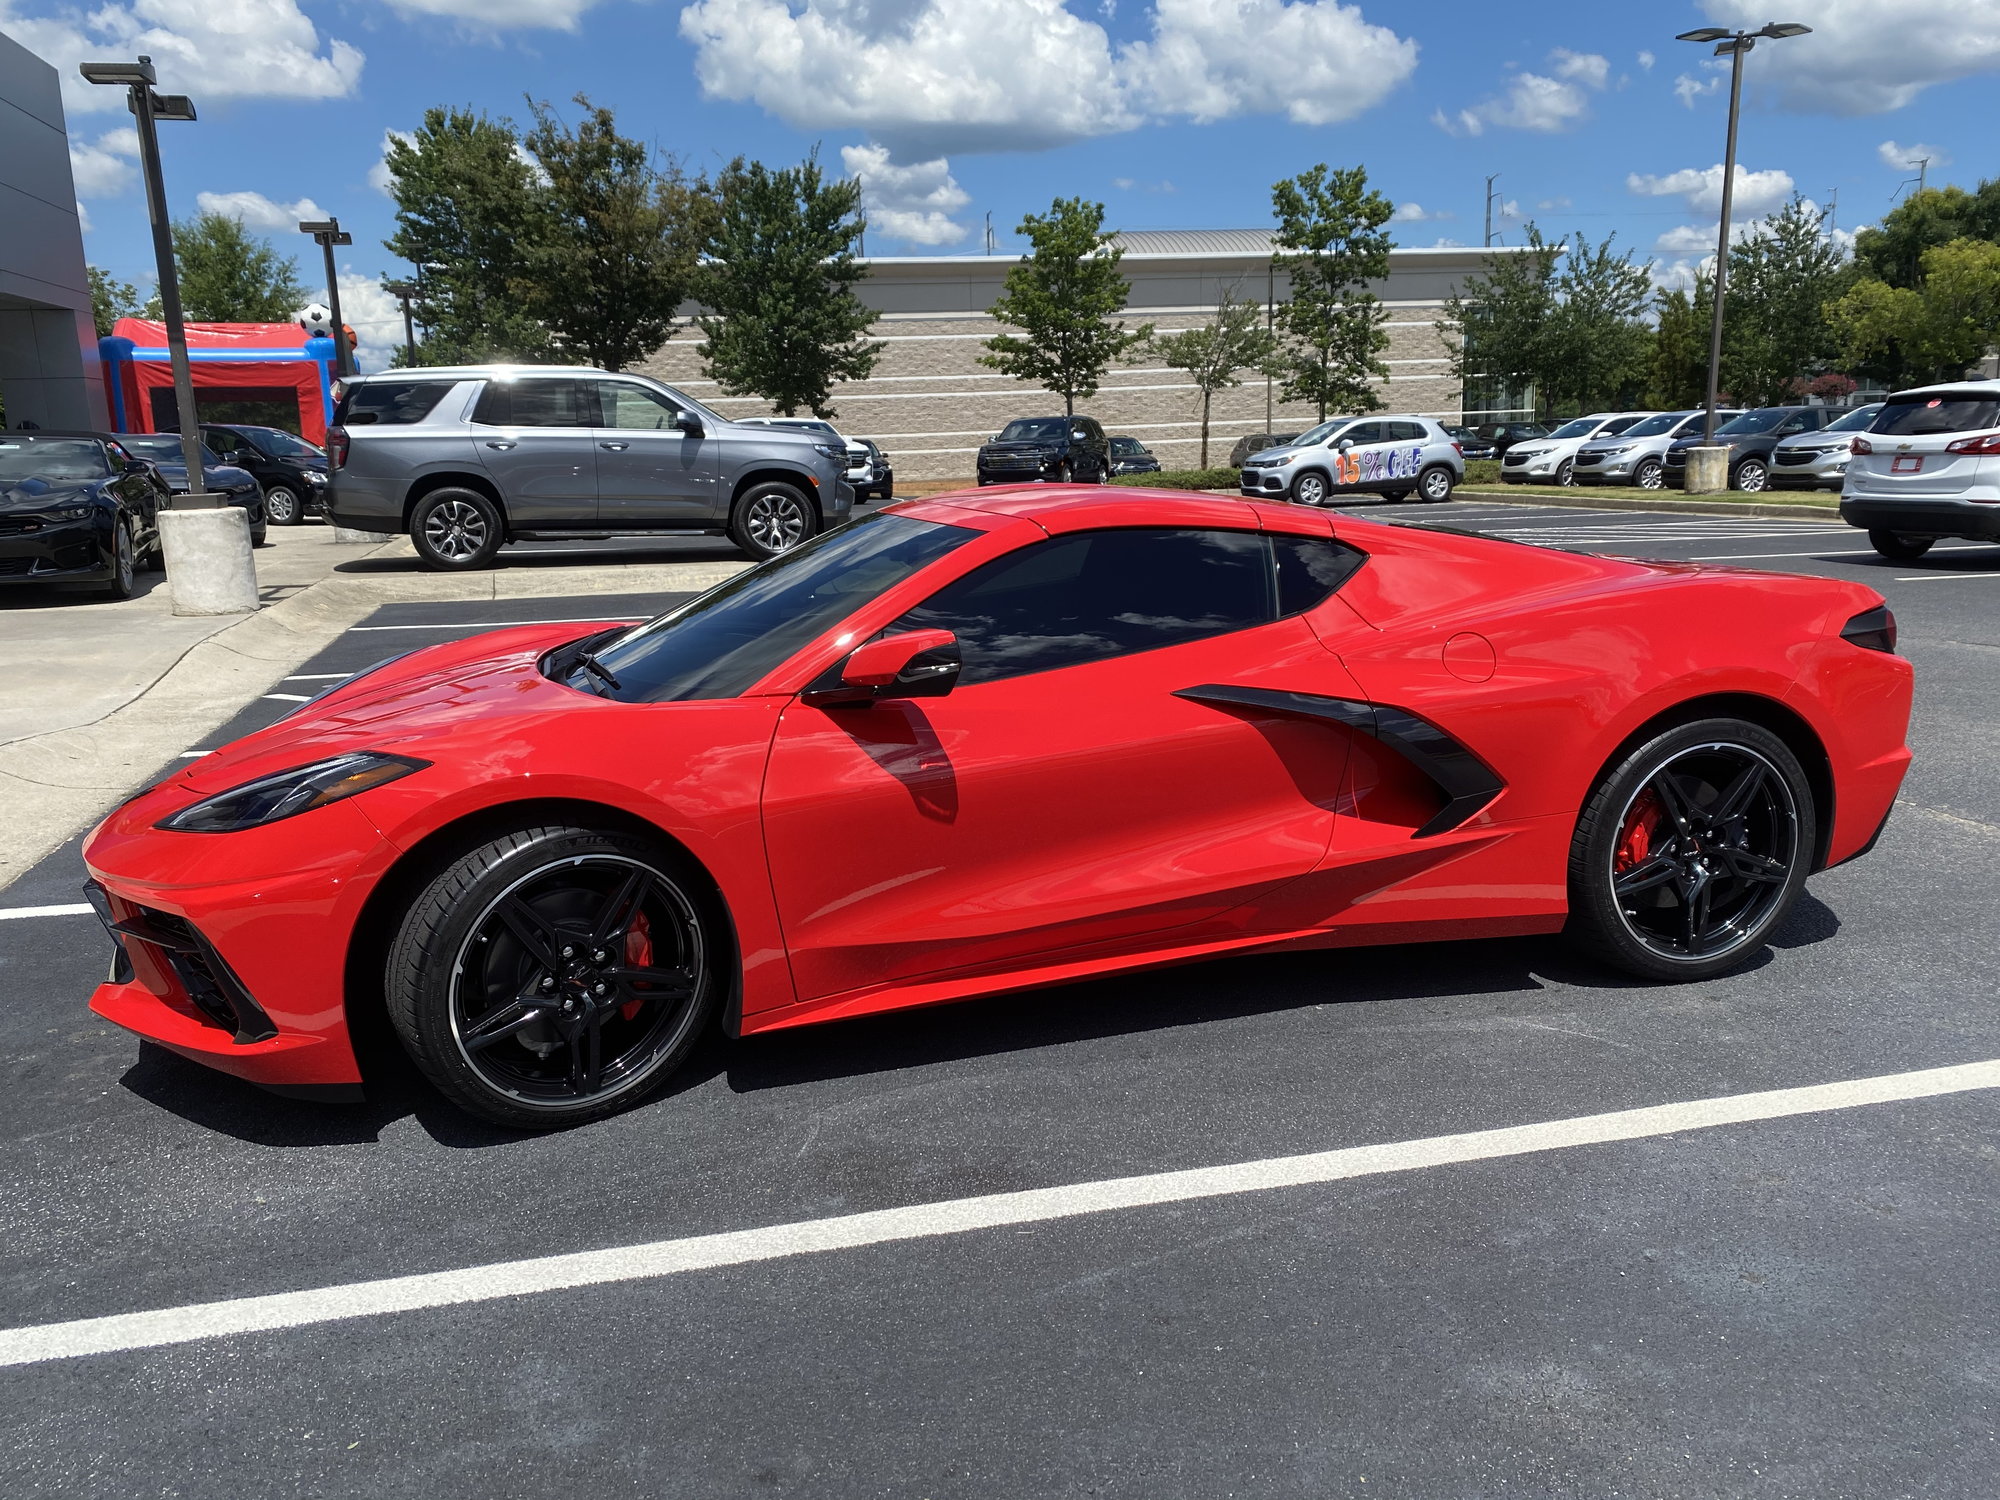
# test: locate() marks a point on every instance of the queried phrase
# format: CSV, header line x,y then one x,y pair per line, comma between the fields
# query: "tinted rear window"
x,y
388,403
1756,421
1947,411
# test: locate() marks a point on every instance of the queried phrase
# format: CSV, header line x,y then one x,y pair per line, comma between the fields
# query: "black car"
x,y
1060,450
163,451
1130,456
75,507
1504,435
1257,442
1750,436
873,476
1470,443
290,470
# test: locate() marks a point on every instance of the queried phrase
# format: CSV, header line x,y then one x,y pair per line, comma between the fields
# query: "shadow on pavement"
x,y
642,552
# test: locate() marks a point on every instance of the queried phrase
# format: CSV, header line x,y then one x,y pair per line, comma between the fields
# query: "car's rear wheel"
x,y
1435,483
772,518
456,531
1309,489
555,975
1691,850
282,506
1751,476
1898,547
1650,475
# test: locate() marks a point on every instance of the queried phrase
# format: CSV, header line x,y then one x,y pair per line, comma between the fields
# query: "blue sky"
x,y
1176,113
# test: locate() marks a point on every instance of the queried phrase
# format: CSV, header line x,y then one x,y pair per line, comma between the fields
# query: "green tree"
x,y
110,299
1931,332
468,216
1332,244
1496,326
1064,297
228,275
1678,375
1893,251
1781,275
1235,339
1596,350
619,239
780,316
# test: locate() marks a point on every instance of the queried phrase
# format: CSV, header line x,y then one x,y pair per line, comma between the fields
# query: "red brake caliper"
x,y
1635,840
639,954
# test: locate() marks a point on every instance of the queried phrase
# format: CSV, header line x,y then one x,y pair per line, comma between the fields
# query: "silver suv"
x,y
465,459
1387,456
1636,456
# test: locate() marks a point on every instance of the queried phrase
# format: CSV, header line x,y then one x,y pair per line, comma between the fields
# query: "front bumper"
x,y
1263,483
1822,471
1535,470
33,550
1971,519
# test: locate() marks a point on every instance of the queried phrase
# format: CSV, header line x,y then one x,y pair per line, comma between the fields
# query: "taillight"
x,y
336,447
1861,445
1987,445
1459,449
1873,629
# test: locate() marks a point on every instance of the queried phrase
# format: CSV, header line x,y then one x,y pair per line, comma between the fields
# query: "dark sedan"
x,y
163,451
75,507
1130,456
290,470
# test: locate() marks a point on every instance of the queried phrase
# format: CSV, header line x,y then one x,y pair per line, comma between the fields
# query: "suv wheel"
x,y
1897,547
1751,476
282,506
1435,483
1309,489
1650,475
456,530
1566,472
772,518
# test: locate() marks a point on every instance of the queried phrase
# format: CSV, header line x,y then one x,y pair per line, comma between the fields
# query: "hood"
x,y
218,476
1821,441
40,494
1022,445
1270,453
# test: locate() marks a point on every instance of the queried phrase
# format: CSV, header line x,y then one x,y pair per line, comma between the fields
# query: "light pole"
x,y
206,541
326,234
1734,45
403,291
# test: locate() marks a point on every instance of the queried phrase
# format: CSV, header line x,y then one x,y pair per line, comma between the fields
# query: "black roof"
x,y
32,433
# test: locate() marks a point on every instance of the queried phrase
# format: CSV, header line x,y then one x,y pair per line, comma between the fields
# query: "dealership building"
x,y
930,402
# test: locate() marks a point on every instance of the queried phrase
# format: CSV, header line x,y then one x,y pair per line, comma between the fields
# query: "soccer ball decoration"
x,y
318,318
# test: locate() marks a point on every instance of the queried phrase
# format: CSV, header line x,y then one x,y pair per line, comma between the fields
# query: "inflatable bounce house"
x,y
271,374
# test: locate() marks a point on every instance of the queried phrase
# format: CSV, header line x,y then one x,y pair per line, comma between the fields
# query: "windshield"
x,y
162,447
1035,429
46,458
1581,427
1754,421
1126,447
280,444
1657,425
719,645
1950,411
1856,420
1320,434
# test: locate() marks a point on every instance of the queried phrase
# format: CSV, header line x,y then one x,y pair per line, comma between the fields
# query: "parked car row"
x,y
1770,446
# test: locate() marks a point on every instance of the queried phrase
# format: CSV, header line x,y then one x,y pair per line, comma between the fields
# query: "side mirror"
x,y
137,466
913,664
1345,444
689,423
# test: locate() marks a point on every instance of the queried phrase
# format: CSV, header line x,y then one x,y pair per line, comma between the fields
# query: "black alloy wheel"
x,y
772,518
282,506
1435,484
124,579
555,975
1691,851
456,530
1650,475
1899,547
1309,489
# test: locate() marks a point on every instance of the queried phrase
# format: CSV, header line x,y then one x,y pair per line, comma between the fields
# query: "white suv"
x,y
1928,467
1552,460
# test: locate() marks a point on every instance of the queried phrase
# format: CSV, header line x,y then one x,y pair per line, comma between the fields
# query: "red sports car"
x,y
989,741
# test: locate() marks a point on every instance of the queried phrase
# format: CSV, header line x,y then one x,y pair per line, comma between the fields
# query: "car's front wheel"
x,y
282,506
1435,483
1751,476
1650,475
1309,489
772,518
124,579
1566,473
1898,547
456,530
1691,850
555,975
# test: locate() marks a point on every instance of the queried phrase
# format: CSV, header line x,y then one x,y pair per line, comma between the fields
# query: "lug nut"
x,y
598,989
548,983
569,952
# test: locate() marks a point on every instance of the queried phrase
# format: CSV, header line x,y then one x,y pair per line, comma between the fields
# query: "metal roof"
x,y
1194,241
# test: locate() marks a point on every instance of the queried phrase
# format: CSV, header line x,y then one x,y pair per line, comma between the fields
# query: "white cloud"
x,y
374,315
1646,61
215,49
1755,192
1416,213
83,218
501,15
913,203
1867,57
1548,203
1549,102
1688,239
106,167
1893,155
255,211
378,175
1447,244
1688,88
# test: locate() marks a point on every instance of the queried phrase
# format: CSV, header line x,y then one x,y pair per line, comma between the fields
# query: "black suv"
x,y
290,471
1061,450
1749,436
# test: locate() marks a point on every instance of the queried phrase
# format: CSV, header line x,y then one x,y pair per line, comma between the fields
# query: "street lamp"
x,y
1733,45
326,234
206,541
403,291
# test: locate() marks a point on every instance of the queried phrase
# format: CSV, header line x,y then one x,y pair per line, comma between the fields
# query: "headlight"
x,y
313,476
289,793
831,450
1621,448
71,513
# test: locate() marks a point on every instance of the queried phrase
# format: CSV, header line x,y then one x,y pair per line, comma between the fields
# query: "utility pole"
x,y
1495,177
1923,166
326,234
403,291
1832,208
989,231
1271,328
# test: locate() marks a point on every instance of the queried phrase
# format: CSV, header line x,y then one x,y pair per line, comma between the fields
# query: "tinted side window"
x,y
1366,432
1099,594
532,403
632,408
389,403
1408,432
1310,570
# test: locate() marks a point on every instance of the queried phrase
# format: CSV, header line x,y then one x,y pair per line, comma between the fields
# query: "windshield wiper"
x,y
602,673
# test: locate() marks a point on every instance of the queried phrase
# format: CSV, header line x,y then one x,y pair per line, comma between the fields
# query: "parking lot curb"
x,y
1591,499
56,785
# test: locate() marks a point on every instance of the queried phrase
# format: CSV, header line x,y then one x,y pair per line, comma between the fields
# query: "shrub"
x,y
1182,479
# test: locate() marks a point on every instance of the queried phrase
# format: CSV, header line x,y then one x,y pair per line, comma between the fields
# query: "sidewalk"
x,y
77,742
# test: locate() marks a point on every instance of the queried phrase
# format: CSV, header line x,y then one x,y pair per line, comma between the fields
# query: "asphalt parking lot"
x,y
1798,1305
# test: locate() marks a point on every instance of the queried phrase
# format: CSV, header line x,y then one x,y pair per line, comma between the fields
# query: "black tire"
x,y
1310,488
772,518
1650,475
1435,484
154,558
1065,472
525,979
284,506
1897,547
1566,472
1690,851
1395,497
124,580
456,530
1752,476
260,531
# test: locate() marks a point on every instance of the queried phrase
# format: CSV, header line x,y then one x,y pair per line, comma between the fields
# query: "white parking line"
x,y
72,909
1944,577
193,754
491,624
554,1273
290,697
319,676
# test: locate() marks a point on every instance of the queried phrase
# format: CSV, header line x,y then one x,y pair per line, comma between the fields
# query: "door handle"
x,y
496,443
615,447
